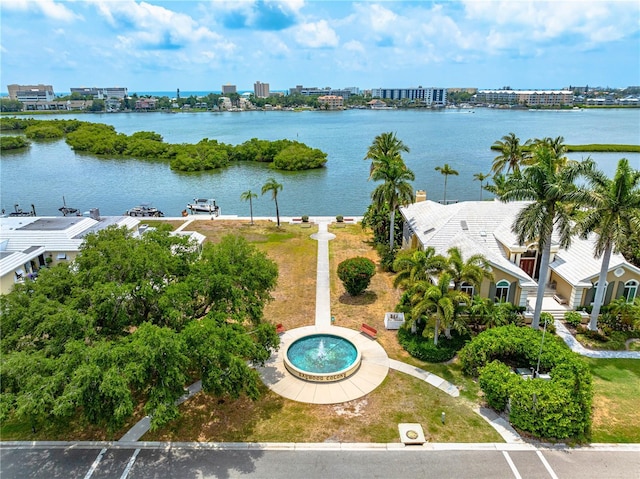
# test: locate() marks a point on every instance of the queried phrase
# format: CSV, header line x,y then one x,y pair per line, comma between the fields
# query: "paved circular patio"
x,y
373,369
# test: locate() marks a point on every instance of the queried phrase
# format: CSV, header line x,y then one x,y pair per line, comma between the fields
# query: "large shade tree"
x,y
129,323
549,183
614,214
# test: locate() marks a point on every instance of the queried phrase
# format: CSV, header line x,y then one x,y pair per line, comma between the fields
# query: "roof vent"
x,y
463,223
430,230
94,213
483,233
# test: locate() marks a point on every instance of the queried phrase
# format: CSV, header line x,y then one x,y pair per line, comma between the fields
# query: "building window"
x,y
467,288
595,291
502,291
630,290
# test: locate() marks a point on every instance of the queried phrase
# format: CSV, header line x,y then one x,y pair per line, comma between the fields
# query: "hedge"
x,y
558,408
423,348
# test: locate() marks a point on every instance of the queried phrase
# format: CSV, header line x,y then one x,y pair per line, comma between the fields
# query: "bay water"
x,y
48,171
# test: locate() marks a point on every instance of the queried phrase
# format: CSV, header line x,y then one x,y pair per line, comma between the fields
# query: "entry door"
x,y
528,265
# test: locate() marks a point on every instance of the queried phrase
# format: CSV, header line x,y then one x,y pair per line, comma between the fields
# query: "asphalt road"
x,y
314,461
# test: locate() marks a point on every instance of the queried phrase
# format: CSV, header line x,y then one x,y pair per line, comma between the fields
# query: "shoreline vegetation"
x,y
590,148
103,140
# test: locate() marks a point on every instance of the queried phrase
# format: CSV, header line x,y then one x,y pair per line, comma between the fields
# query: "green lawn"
x,y
616,412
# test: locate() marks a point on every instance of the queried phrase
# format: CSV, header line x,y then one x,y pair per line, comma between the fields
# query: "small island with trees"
x,y
103,140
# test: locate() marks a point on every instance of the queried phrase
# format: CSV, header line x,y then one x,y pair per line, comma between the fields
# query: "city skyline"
x,y
199,46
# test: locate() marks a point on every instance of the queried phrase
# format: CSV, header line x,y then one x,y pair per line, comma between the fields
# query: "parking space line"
x,y
132,460
95,464
513,467
546,465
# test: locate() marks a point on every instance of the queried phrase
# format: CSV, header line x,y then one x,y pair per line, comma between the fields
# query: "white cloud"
x,y
316,35
152,25
48,8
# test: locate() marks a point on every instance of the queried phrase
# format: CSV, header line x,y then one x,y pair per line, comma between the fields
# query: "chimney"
x,y
94,213
421,195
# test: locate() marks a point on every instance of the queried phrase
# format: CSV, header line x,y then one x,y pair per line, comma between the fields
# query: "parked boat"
x,y
144,210
201,205
67,210
17,211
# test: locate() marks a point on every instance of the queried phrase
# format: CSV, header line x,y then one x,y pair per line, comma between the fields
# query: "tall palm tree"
x,y
556,145
512,154
550,184
249,196
481,177
385,145
417,265
396,189
446,170
273,186
438,302
471,271
614,214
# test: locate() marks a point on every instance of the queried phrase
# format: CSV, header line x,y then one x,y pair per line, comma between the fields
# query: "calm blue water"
x,y
322,353
48,171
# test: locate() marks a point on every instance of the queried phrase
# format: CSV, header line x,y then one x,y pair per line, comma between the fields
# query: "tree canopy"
x,y
132,321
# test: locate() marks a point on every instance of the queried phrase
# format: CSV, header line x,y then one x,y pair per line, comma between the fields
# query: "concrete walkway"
x,y
563,332
323,285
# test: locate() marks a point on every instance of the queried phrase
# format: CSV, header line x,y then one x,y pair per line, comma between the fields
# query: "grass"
x,y
616,384
373,418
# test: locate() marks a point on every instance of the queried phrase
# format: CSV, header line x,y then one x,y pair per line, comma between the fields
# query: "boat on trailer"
x,y
144,209
202,205
17,211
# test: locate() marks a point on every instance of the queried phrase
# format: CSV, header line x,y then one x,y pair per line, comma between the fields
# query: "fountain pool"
x,y
322,358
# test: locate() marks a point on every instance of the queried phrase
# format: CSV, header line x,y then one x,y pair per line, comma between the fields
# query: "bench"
x,y
560,299
368,330
280,328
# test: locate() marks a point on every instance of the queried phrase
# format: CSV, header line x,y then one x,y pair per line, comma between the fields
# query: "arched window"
x,y
467,288
630,290
502,290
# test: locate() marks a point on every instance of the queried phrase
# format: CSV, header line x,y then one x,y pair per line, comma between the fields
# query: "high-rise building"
x,y
261,90
228,88
101,93
428,96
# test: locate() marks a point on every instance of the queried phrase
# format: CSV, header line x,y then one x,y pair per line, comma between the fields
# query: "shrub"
x,y
494,381
339,218
573,318
555,409
356,273
423,348
305,218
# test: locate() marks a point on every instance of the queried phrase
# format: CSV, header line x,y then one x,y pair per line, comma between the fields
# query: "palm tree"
x,y
512,154
385,145
549,183
614,214
249,196
438,302
481,177
471,271
417,265
273,186
395,191
446,170
556,145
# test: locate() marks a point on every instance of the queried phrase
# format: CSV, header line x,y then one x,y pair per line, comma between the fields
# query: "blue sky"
x,y
201,45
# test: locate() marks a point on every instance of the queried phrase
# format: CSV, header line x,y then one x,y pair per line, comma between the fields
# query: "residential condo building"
x,y
228,88
428,96
261,90
102,93
525,97
31,93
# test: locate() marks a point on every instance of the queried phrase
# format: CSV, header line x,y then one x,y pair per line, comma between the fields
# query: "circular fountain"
x,y
322,358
